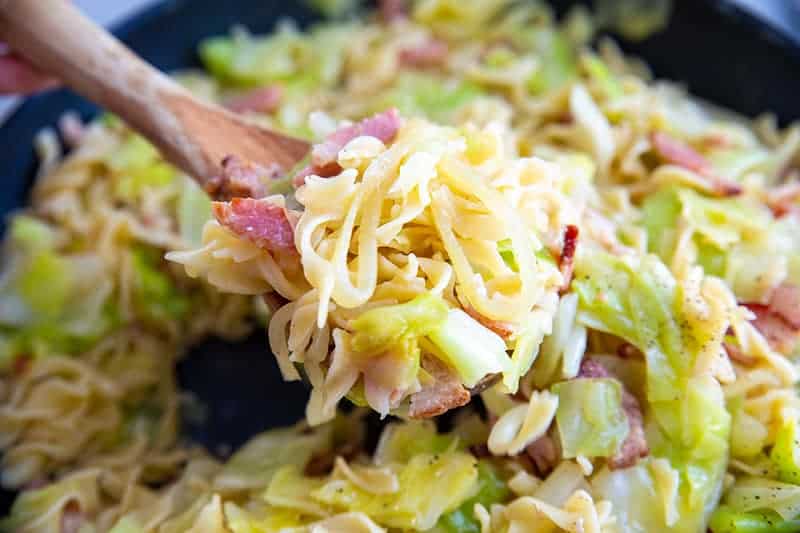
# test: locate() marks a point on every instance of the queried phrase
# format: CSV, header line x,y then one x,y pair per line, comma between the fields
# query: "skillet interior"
x,y
722,53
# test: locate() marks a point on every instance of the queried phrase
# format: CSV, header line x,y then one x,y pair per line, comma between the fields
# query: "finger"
x,y
19,77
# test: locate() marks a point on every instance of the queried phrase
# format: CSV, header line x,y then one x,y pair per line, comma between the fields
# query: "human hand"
x,y
17,76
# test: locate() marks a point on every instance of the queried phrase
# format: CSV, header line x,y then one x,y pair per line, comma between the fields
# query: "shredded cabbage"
x,y
640,302
474,351
590,418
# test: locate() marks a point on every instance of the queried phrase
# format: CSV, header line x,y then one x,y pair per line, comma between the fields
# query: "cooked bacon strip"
x,y
262,222
592,369
779,333
635,444
484,383
443,393
274,301
21,364
503,329
544,453
679,153
735,354
627,350
785,302
782,200
242,179
392,10
383,126
432,53
324,156
71,518
261,100
323,172
566,261
779,319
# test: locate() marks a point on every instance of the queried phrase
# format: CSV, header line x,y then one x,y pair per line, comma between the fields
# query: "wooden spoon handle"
x,y
55,36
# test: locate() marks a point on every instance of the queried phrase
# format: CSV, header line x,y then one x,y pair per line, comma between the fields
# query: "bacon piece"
x,y
627,350
274,301
323,172
71,518
324,156
392,10
21,364
36,484
592,369
261,100
484,383
443,393
781,200
433,53
779,320
383,126
503,329
242,179
635,444
735,354
566,261
785,302
679,153
544,453
779,333
262,222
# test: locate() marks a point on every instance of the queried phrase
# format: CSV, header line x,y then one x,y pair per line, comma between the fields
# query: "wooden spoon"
x,y
193,135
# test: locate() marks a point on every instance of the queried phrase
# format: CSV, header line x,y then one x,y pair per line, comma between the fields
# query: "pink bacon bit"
x,y
393,10
324,156
681,154
261,222
382,126
785,302
782,200
635,444
432,53
443,393
72,518
545,454
735,354
566,261
242,179
261,100
779,320
503,329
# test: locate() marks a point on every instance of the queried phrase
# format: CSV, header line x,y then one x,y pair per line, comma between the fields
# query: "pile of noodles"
x,y
684,282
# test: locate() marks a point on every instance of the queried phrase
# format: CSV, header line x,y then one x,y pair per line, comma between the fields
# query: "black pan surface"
x,y
723,53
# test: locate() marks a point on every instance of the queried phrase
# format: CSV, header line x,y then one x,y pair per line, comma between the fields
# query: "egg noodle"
x,y
595,273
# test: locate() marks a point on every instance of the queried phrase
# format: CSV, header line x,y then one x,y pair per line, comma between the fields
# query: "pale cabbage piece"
x,y
687,423
400,441
429,486
254,464
750,494
473,350
42,509
591,421
733,238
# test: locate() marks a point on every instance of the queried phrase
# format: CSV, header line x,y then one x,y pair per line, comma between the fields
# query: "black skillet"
x,y
723,52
